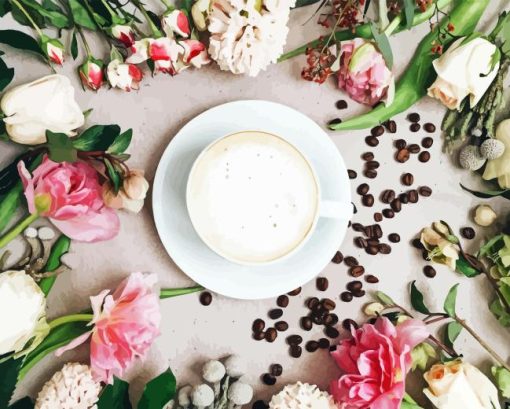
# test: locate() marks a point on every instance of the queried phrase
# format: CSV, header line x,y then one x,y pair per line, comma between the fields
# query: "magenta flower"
x,y
363,73
126,323
70,195
375,361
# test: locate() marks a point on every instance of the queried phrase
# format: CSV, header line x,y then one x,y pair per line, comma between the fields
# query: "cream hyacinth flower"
x,y
302,395
73,387
247,36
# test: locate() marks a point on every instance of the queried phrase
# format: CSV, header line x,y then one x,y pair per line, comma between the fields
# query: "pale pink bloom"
x,y
195,53
375,361
125,325
72,199
363,73
140,51
165,49
131,195
176,22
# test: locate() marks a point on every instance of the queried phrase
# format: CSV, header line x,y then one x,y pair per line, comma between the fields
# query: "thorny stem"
x,y
28,16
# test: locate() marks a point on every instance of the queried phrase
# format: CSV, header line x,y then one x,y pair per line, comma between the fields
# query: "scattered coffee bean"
x,y
372,164
312,346
367,156
341,104
425,255
391,126
363,189
394,237
370,173
378,217
352,174
357,227
357,271
271,335
282,301
276,370
415,127
295,351
275,313
396,205
259,336
331,332
425,191
372,250
373,242
403,198
268,379
429,127
414,148
377,130
371,141
429,271
331,319
368,200
424,156
369,278
413,196
402,155
258,325
324,343
281,326
414,117
322,283
295,292
312,302
306,323
417,244
427,142
328,304
468,233
351,261
336,121
346,296
354,286
206,298
407,179
400,144
260,404
360,242
387,196
337,258
294,339
388,213
384,248
347,324
359,294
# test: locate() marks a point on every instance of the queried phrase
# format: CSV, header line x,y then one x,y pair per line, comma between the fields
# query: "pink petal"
x,y
74,343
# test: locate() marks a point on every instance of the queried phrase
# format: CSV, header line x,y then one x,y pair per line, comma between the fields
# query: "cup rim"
x,y
306,236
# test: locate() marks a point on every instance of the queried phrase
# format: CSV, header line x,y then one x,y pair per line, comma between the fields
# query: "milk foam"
x,y
252,197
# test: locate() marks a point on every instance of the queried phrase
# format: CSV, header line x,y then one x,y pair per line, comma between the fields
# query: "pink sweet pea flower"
x,y
124,34
70,195
126,323
375,361
91,73
195,53
363,73
176,22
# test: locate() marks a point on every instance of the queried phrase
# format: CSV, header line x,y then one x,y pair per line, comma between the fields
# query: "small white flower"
x,y
302,395
484,215
240,393
202,395
213,371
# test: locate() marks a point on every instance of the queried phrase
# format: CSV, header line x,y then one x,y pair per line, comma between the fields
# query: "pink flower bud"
x,y
124,34
164,49
176,22
54,49
91,73
124,76
195,53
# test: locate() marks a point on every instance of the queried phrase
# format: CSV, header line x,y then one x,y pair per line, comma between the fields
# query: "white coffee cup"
x,y
254,198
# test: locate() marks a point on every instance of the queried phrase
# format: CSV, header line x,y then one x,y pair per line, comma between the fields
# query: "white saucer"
x,y
174,225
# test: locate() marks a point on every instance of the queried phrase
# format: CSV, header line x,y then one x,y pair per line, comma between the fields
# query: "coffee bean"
x,y
387,196
331,332
425,191
388,213
430,128
271,335
312,346
282,301
336,121
324,343
318,319
368,200
427,142
371,141
351,261
258,325
322,283
369,278
331,319
337,258
391,126
378,231
206,298
414,148
259,336
276,370
396,205
357,271
352,174
348,324
384,248
295,351
370,173
378,217
394,237
414,117
281,326
373,242
372,164
359,294
413,196
367,156
357,227
360,242
260,404
341,104
294,339
400,144
417,244
407,179
268,379
312,302
468,233
294,292
372,250
328,304
363,189
415,127
346,296
275,313
425,255
402,155
377,130
354,286
429,271
404,199
306,323
424,156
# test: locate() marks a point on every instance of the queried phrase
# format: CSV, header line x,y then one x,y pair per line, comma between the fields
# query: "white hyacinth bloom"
x,y
302,395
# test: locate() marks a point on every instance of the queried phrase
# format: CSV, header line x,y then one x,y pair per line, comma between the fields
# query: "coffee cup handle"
x,y
336,210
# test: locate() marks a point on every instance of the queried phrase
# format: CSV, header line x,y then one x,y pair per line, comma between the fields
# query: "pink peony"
x,y
363,73
124,328
71,196
375,361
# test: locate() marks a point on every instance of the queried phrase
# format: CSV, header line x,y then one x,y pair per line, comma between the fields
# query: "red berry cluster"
x,y
318,67
343,14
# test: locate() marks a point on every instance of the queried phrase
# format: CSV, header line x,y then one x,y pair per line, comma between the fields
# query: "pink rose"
x,y
70,195
363,73
126,323
375,361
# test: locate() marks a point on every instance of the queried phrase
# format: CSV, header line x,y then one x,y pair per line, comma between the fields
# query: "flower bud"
x,y
195,53
135,185
484,215
176,22
124,34
91,73
373,309
53,49
124,76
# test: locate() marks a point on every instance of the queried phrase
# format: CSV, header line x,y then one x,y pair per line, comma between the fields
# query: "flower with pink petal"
x,y
140,51
195,53
176,22
125,324
124,76
124,34
165,49
375,361
363,73
70,195
91,73
53,49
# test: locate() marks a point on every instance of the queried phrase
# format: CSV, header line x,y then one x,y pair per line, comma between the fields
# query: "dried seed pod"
x,y
470,158
492,148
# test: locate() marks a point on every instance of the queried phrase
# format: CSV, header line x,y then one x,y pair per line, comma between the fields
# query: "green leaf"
x,y
74,45
452,331
385,299
450,301
121,142
488,194
9,370
383,44
420,355
499,311
409,8
60,147
59,248
502,377
22,19
21,41
115,396
24,403
462,266
409,403
96,138
56,18
5,7
486,248
417,300
303,3
113,174
81,15
159,391
6,75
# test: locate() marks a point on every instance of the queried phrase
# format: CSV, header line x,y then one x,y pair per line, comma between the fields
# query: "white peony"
x,y
45,104
247,36
302,395
22,311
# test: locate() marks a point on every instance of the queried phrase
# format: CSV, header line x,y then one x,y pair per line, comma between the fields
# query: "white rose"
x,y
500,167
22,310
459,385
463,70
45,104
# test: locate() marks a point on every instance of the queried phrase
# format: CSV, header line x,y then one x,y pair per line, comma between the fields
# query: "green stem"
x,y
16,230
109,9
175,292
84,41
155,31
70,318
28,16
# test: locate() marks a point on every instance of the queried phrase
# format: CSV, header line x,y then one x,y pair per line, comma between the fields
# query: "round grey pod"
x,y
492,149
470,158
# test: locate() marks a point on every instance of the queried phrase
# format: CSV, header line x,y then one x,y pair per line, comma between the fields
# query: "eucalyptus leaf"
x,y
159,391
6,75
81,16
9,370
383,44
60,147
96,138
409,11
417,300
21,41
499,311
121,142
450,301
452,332
502,377
115,396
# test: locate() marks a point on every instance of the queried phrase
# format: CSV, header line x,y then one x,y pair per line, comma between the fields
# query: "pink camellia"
x,y
375,361
125,324
70,195
363,73
176,22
